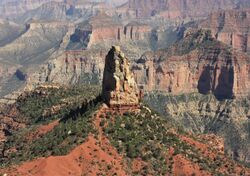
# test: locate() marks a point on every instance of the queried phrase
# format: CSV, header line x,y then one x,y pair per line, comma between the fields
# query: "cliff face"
x,y
173,9
103,28
197,63
71,67
231,27
119,87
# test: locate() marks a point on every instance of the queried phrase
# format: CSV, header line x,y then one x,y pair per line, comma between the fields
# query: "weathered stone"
x,y
119,86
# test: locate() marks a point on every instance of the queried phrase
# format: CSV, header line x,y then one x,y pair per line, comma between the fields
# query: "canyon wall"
x,y
103,28
230,27
198,63
72,67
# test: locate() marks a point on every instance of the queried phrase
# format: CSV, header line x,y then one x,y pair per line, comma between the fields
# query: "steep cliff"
x,y
196,63
36,44
231,27
71,67
103,28
9,31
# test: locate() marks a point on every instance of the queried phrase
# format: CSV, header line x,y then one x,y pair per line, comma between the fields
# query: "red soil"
x,y
137,165
212,153
205,149
95,156
42,130
183,167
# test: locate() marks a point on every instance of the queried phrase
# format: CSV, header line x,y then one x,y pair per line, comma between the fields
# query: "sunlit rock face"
x,y
119,87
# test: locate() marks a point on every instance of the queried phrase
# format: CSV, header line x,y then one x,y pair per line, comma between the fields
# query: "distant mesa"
x,y
119,87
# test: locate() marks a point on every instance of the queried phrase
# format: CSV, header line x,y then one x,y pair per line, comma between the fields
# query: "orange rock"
x,y
119,87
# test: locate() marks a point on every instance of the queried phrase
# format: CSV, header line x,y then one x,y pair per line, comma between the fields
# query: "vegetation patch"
x,y
45,104
147,136
75,124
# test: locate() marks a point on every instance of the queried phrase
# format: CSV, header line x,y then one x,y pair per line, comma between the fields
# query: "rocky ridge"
x,y
11,8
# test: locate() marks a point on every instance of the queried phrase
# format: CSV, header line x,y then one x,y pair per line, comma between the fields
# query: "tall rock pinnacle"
x,y
119,87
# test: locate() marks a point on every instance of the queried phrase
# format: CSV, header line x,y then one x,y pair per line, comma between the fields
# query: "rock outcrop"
x,y
197,63
119,87
230,27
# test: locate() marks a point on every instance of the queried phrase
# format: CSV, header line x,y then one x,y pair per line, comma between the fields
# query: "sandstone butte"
x,y
119,86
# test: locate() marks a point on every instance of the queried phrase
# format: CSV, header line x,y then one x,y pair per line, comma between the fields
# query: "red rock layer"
x,y
231,27
103,28
209,67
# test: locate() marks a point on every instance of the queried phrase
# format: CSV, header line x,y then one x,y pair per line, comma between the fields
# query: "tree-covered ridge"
x,y
147,136
44,104
75,122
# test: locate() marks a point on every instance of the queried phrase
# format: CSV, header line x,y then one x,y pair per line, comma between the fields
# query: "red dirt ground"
x,y
184,167
95,156
42,130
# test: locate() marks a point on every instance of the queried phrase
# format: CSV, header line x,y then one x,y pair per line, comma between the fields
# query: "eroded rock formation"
x,y
119,86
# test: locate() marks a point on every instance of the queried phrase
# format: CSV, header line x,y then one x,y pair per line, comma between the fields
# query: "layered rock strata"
x,y
103,28
197,63
230,27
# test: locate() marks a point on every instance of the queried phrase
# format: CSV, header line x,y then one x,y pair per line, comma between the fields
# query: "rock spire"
x,y
119,87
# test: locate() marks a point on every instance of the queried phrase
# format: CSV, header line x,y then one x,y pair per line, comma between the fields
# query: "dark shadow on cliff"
x,y
205,81
224,88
